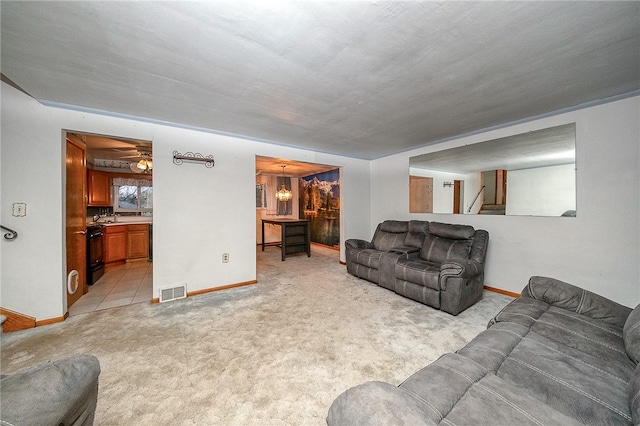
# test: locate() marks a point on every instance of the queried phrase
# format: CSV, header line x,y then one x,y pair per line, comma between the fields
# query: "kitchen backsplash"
x,y
108,211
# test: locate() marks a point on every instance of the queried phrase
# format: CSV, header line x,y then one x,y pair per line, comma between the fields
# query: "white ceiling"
x,y
357,78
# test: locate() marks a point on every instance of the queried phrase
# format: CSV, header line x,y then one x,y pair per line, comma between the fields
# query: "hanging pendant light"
x,y
284,194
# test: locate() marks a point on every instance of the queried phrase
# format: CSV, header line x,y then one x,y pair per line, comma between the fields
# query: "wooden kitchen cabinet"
x,y
115,244
137,241
99,188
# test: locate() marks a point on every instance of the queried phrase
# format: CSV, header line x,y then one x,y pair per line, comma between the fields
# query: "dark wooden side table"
x,y
294,236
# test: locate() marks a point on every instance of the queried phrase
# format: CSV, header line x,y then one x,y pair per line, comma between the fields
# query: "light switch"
x,y
19,209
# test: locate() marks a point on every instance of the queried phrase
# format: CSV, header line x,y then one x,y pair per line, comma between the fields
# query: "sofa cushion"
x,y
576,383
368,257
451,391
631,335
418,230
571,329
634,396
575,299
418,272
394,226
438,250
455,390
390,233
59,392
452,232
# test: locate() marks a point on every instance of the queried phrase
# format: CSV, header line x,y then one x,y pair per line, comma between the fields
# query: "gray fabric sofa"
x,y
556,355
60,392
438,264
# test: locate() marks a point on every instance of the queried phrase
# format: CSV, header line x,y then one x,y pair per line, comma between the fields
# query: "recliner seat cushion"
x,y
571,329
418,272
451,391
369,258
574,382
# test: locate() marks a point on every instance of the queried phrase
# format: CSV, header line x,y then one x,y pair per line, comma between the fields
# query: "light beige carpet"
x,y
274,353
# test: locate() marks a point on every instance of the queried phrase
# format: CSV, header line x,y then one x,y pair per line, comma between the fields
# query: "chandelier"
x,y
284,194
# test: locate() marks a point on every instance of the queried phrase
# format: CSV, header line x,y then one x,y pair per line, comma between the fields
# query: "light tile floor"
x,y
120,285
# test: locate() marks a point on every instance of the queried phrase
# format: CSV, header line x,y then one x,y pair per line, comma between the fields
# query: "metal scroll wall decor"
x,y
10,235
195,157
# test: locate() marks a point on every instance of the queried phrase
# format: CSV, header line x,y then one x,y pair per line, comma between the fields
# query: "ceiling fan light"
x,y
145,164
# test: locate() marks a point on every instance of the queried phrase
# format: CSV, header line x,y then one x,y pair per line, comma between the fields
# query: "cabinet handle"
x,y
81,232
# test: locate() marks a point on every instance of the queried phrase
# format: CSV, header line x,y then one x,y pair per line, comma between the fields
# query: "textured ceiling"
x,y
358,78
273,166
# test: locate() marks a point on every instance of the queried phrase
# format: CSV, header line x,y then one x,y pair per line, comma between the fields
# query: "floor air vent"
x,y
173,293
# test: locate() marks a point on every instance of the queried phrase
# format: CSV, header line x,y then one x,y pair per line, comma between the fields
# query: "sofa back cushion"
x,y
389,234
446,241
631,335
418,230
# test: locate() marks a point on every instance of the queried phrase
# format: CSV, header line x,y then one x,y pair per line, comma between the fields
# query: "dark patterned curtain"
x,y
284,207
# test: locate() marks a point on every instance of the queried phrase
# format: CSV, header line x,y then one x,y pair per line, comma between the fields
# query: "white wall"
x,y
599,249
543,191
199,213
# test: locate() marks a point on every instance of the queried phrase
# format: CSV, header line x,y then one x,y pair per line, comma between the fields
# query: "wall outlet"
x,y
225,257
19,209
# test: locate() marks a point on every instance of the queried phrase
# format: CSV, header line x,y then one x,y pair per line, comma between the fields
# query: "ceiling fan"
x,y
145,164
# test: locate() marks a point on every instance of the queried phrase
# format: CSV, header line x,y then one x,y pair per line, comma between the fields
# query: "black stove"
x,y
95,253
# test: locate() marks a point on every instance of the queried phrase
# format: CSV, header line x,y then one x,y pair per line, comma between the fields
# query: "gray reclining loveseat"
x,y
558,355
438,264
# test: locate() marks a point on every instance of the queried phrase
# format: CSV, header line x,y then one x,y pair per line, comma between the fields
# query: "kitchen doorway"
x,y
118,217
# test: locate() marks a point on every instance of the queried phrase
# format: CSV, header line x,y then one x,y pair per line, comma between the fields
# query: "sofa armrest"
x,y
63,391
377,403
575,299
358,244
459,268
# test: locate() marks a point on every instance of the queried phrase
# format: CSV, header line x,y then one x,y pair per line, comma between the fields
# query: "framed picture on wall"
x,y
261,196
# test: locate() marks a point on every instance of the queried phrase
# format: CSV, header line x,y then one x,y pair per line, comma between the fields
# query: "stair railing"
x,y
475,199
10,235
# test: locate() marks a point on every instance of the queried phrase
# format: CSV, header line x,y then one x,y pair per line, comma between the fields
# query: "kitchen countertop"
x,y
121,222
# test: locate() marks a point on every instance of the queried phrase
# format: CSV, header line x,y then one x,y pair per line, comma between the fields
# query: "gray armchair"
x,y
60,392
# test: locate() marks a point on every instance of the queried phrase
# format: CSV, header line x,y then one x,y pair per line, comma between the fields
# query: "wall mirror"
x,y
530,174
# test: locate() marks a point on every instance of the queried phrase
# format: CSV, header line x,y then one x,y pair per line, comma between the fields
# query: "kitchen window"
x,y
131,195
